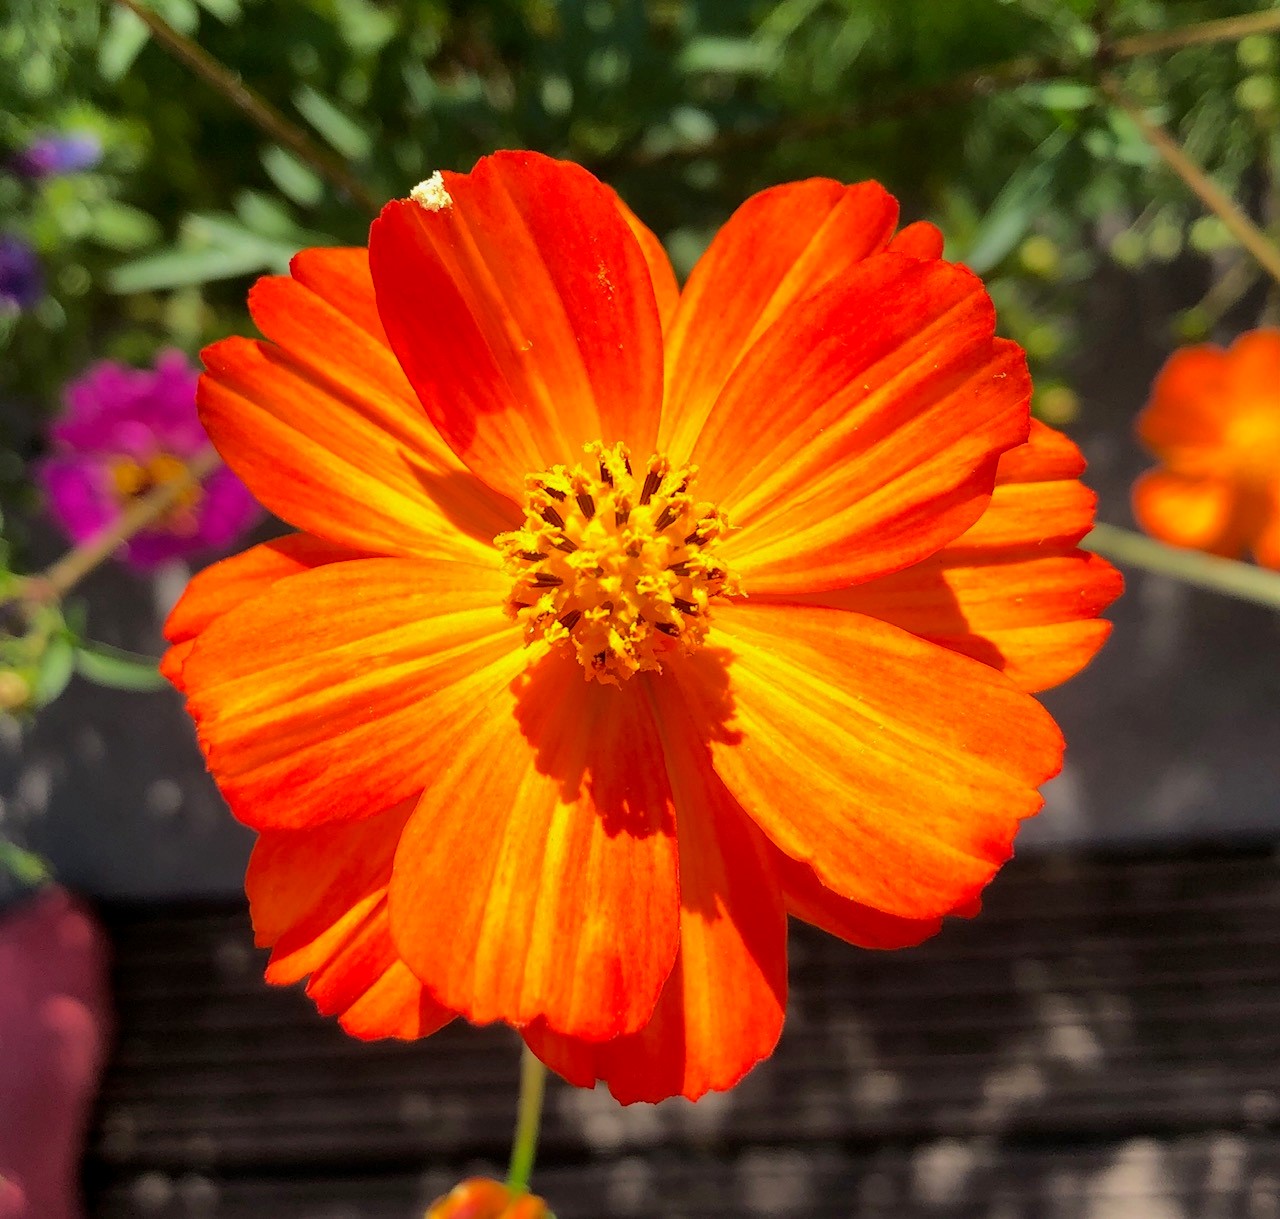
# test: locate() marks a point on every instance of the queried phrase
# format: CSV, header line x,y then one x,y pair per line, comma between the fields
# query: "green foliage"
x,y
42,646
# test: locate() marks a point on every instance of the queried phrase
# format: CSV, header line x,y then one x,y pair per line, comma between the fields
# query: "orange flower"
x,y
1214,423
480,1198
625,621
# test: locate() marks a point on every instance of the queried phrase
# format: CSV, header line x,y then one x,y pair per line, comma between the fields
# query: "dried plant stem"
x,y
1241,580
253,106
57,580
1225,29
1237,221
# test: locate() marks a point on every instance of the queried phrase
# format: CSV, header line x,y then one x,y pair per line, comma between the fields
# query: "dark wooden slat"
x,y
1101,1009
1213,1175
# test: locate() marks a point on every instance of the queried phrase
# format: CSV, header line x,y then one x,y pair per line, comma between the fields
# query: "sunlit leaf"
x,y
117,668
57,664
338,130
293,178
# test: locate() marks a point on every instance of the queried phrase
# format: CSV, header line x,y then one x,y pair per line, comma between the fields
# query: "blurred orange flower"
x,y
625,621
481,1198
1214,423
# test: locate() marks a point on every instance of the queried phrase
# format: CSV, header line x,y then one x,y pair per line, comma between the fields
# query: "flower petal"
x,y
318,900
780,246
863,430
809,900
919,240
323,427
538,876
1199,512
223,586
1185,411
896,769
523,311
722,1007
1013,591
341,690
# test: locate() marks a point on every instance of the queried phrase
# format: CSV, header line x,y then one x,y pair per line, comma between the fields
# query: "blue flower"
x,y
21,281
51,155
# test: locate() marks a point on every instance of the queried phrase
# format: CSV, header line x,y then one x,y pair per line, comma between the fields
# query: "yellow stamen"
x,y
132,478
617,567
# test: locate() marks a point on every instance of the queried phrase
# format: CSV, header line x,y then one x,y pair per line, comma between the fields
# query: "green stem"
x,y
524,1146
1242,580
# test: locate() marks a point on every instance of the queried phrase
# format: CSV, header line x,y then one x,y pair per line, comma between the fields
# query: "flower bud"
x,y
480,1198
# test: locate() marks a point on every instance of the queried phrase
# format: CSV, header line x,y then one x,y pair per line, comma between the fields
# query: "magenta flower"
x,y
124,431
48,156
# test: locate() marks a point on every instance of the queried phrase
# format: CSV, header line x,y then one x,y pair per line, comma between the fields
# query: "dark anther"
x,y
667,628
606,474
633,551
567,546
570,620
587,504
599,658
552,517
693,539
622,515
546,580
551,491
665,517
679,569
607,606
532,555
651,484
519,605
685,607
626,461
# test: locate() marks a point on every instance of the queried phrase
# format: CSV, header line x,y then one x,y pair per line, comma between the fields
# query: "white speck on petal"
x,y
431,194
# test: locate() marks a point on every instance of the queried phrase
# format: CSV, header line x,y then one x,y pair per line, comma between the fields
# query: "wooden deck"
x,y
1103,1043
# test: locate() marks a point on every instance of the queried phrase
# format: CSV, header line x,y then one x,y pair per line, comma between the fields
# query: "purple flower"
x,y
21,283
124,431
50,155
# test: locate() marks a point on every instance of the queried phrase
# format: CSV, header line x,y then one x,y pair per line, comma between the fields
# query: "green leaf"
x,y
1060,94
27,869
1014,208
57,663
121,227
341,132
226,11
117,668
264,216
214,246
176,268
727,56
293,178
125,37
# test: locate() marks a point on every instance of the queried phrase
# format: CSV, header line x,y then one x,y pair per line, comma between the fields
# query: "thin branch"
x,y
1025,69
1241,580
57,580
1226,29
253,106
1237,221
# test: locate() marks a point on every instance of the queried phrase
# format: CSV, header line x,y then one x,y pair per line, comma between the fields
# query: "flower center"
x,y
619,568
132,479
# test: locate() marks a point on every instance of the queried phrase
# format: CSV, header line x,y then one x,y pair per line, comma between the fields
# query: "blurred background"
x,y
1101,1044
